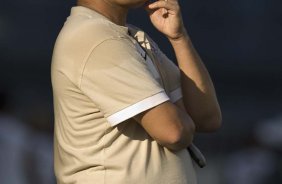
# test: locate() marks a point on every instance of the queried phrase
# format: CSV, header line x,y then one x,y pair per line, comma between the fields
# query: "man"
x,y
124,113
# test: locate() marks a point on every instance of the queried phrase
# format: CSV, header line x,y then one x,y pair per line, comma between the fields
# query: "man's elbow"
x,y
215,123
211,123
180,139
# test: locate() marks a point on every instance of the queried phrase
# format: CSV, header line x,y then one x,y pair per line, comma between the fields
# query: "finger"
x,y
152,10
164,10
146,7
168,4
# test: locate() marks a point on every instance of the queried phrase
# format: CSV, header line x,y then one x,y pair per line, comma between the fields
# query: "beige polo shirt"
x,y
101,78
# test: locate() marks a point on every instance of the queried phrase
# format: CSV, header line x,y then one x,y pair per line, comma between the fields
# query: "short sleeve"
x,y
172,76
117,79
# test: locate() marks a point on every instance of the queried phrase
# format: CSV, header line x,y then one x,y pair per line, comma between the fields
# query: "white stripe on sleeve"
x,y
137,108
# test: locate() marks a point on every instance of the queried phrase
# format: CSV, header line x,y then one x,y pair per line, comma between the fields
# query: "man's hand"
x,y
166,16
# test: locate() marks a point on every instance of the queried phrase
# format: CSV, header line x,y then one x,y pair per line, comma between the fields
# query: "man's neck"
x,y
113,12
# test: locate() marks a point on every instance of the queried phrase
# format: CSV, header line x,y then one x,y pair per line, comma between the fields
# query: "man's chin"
x,y
139,5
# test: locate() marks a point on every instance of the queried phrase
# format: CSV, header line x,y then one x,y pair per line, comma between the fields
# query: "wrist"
x,y
181,42
182,37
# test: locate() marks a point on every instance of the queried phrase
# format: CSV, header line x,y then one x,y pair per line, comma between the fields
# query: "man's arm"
x,y
169,125
199,95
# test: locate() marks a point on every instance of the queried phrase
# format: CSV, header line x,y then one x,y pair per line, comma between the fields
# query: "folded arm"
x,y
169,125
199,95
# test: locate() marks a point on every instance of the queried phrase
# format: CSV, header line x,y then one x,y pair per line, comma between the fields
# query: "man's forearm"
x,y
199,95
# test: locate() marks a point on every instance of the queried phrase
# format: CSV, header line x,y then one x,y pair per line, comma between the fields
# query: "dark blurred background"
x,y
238,40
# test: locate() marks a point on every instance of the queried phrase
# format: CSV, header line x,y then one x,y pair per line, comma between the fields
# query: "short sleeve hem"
x,y
175,95
137,108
